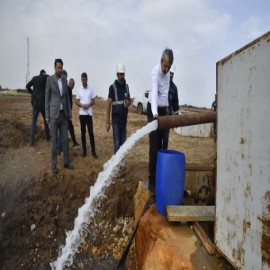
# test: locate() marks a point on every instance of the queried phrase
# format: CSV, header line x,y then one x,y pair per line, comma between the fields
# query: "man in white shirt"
x,y
85,100
158,106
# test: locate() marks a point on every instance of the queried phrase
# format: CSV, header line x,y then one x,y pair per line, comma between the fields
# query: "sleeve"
x,y
68,104
78,94
47,99
93,94
111,93
29,85
176,101
154,92
128,93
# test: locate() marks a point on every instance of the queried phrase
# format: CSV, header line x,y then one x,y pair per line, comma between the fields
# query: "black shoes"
x,y
69,166
94,155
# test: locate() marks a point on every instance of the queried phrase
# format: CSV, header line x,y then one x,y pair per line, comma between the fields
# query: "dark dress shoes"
x,y
69,166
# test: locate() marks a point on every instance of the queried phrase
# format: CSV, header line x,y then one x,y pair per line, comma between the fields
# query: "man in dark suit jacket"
x,y
58,112
38,102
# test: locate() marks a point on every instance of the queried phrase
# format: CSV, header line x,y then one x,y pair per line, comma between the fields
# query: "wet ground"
x,y
38,208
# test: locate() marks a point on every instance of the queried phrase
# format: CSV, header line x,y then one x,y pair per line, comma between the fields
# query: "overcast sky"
x,y
93,36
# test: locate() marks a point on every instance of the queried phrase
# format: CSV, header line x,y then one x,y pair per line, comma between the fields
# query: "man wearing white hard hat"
x,y
117,107
173,105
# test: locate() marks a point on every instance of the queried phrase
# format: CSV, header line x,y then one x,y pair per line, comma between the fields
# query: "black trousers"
x,y
155,143
86,120
72,132
35,112
165,141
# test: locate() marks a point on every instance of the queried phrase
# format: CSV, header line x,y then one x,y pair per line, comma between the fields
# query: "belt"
x,y
160,107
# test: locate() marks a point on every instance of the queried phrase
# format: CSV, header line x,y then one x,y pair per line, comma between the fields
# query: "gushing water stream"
x,y
74,238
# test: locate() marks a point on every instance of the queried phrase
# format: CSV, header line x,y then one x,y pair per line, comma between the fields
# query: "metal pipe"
x,y
189,119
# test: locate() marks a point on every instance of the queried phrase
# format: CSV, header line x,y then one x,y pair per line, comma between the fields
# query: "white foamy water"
x,y
75,237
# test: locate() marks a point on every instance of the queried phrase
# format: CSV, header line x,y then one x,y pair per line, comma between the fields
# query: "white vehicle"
x,y
141,103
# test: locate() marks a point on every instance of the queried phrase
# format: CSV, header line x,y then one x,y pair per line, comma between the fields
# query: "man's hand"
x,y
127,103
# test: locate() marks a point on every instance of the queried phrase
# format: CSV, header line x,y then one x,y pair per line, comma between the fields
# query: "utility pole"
x,y
28,63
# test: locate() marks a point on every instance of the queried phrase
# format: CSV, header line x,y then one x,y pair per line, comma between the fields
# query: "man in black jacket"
x,y
173,106
38,102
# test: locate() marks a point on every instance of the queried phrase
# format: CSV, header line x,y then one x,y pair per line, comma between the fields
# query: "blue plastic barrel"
x,y
170,179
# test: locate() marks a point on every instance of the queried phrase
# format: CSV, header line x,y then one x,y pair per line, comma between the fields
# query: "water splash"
x,y
75,238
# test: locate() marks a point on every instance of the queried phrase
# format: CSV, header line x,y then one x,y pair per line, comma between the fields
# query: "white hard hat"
x,y
120,68
172,70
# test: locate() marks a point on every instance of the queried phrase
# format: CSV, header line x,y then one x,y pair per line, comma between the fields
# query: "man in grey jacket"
x,y
58,112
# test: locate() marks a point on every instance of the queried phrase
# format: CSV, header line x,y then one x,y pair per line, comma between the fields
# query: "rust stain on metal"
x,y
182,120
250,169
242,141
246,226
247,191
239,253
226,59
265,244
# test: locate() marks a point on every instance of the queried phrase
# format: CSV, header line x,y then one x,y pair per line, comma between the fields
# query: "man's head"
x,y
58,66
166,60
64,74
172,72
42,72
71,83
120,73
84,79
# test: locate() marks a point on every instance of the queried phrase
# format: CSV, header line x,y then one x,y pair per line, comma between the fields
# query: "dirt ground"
x,y
37,208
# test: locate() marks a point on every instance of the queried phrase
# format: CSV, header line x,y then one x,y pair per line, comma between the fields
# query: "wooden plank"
x,y
190,213
208,245
199,167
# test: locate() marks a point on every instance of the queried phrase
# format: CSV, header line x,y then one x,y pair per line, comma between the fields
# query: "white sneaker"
x,y
77,147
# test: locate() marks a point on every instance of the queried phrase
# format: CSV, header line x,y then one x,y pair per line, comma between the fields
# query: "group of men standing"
x,y
54,94
55,105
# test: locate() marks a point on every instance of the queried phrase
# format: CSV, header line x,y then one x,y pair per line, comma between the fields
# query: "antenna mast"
x,y
28,63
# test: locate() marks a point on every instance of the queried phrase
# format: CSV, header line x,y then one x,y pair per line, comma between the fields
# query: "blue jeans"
x,y
119,135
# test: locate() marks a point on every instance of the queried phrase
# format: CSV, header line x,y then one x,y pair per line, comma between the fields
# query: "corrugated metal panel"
x,y
242,230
